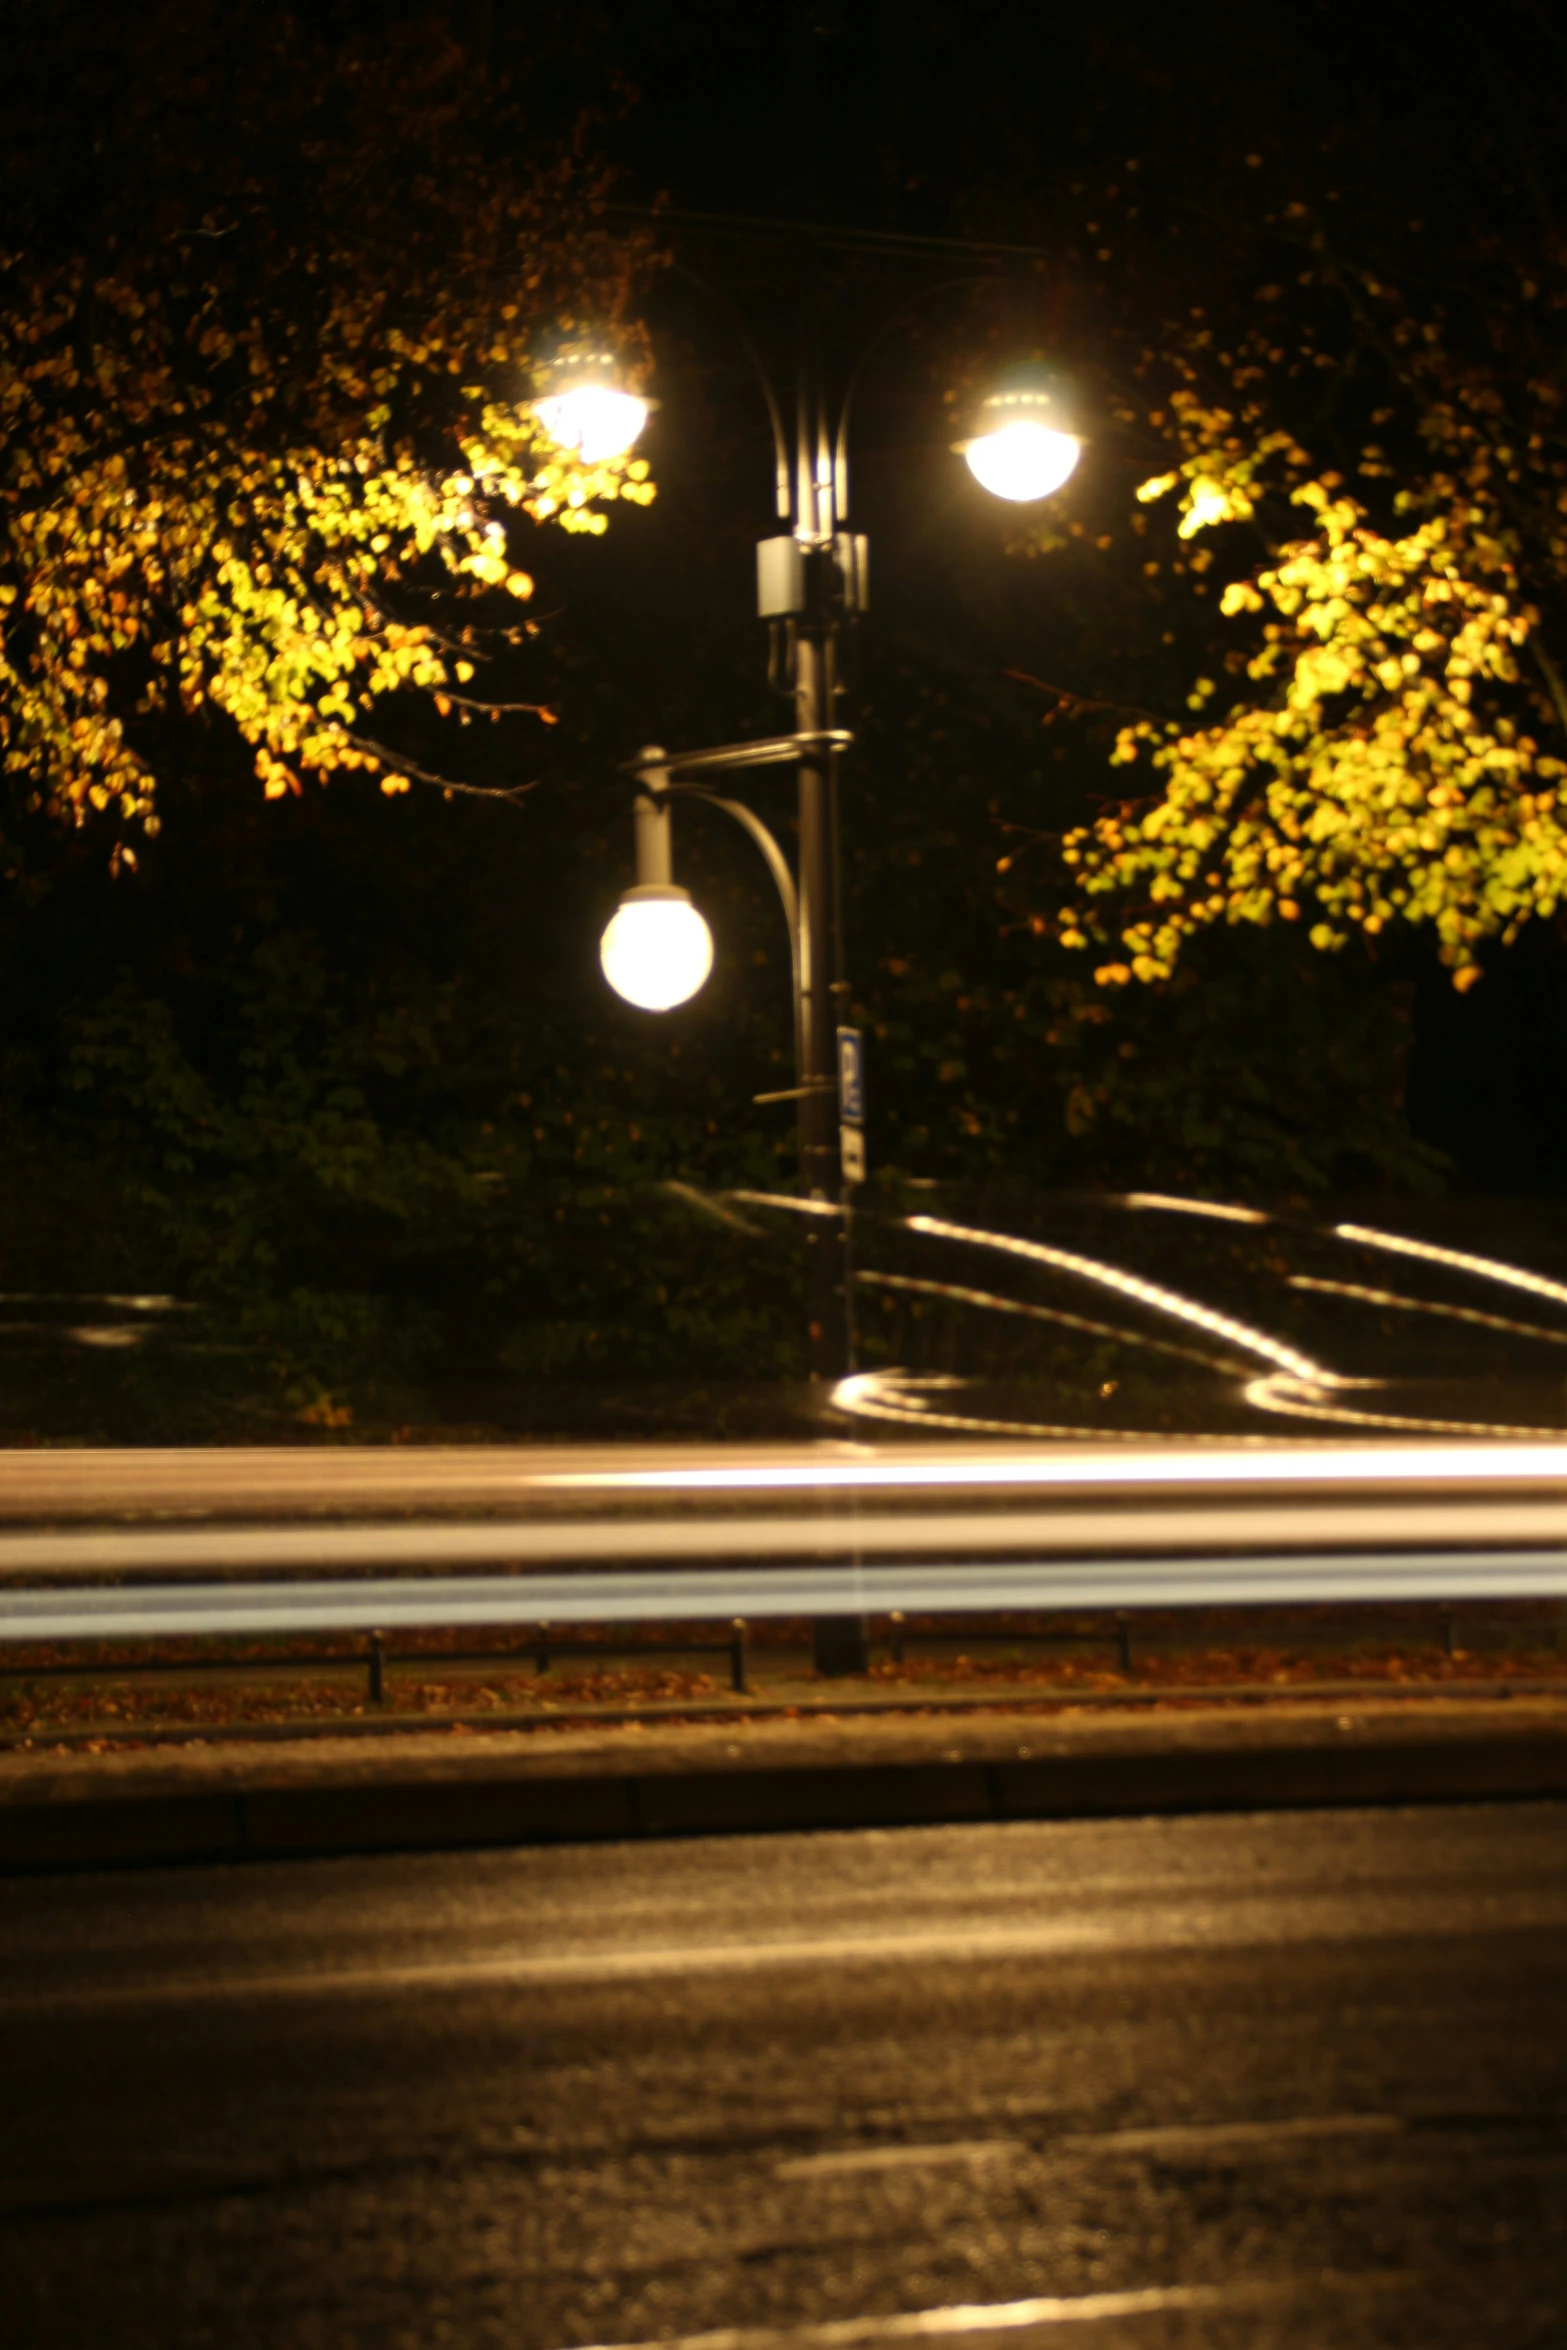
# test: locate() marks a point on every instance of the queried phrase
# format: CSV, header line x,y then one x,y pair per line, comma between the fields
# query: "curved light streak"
x,y
891,1395
1148,1293
1426,1305
1488,1268
1012,1305
1271,1394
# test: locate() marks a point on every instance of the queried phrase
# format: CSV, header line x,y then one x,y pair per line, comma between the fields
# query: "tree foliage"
x,y
1383,740
343,1079
265,366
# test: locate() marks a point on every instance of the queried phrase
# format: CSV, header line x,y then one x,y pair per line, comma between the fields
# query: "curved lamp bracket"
x,y
662,774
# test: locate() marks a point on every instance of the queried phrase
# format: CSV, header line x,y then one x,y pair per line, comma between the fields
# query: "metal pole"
x,y
813,708
840,1003
818,1120
840,1644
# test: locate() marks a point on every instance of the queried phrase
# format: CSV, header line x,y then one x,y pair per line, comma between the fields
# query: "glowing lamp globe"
x,y
594,420
1021,449
657,950
1022,460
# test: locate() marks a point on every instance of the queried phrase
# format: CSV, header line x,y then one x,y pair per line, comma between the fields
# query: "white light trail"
x,y
636,1552
1426,1305
1148,1293
1033,1313
1298,1399
708,1203
785,1199
1238,1461
1488,1268
896,1396
1224,1577
885,1395
291,1487
1193,1207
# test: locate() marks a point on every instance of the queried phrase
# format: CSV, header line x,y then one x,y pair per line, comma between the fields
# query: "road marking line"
x,y
1010,2316
1171,2137
859,2158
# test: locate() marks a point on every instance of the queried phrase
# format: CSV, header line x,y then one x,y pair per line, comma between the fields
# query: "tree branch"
x,y
1555,685
1070,704
397,764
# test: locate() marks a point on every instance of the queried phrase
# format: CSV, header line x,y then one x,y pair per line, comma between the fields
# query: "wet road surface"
x,y
1294,2080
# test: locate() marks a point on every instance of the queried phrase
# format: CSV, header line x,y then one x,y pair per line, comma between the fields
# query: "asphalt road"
x,y
1293,2081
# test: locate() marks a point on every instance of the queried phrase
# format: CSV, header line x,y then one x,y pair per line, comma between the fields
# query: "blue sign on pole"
x,y
851,1076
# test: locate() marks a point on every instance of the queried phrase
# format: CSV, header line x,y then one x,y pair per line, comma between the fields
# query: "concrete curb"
x,y
62,1812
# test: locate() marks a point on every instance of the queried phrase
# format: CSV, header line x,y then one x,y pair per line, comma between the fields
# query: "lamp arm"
x,y
840,463
773,750
653,768
783,493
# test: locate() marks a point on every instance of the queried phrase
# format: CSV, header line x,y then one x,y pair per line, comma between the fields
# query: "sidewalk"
x,y
440,1789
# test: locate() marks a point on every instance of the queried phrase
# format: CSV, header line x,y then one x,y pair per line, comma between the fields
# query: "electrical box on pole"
x,y
780,578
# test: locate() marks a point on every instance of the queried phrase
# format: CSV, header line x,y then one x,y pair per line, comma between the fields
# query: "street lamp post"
x,y
812,582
